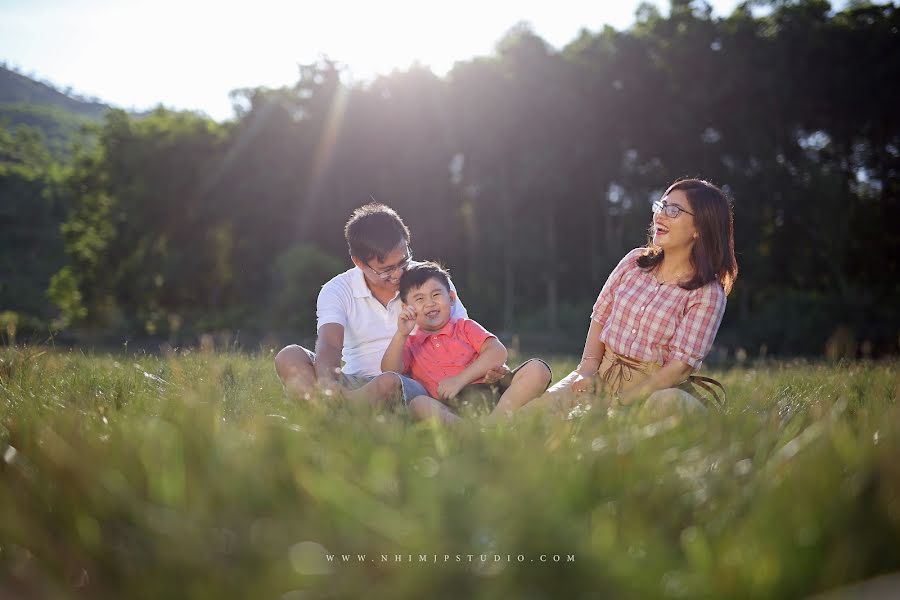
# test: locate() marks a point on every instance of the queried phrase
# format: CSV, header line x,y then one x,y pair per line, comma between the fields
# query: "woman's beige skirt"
x,y
617,374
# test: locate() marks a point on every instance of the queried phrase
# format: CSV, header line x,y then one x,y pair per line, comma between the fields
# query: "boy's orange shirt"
x,y
431,356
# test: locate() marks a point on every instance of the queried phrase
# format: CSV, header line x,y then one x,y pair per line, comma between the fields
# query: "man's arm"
x,y
329,345
459,310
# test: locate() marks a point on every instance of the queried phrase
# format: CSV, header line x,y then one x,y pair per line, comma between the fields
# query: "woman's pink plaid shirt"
x,y
643,319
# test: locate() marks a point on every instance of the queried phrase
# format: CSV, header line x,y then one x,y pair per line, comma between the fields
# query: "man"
x,y
357,314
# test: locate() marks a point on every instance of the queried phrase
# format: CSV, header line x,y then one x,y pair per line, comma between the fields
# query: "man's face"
x,y
433,303
385,274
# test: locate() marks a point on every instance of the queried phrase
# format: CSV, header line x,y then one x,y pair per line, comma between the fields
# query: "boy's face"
x,y
433,303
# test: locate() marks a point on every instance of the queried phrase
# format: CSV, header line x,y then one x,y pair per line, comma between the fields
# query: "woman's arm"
x,y
591,358
592,355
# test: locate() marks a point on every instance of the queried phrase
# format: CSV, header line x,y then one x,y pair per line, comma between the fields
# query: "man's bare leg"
x,y
379,394
296,371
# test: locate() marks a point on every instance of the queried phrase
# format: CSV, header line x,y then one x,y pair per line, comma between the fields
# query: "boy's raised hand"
x,y
406,321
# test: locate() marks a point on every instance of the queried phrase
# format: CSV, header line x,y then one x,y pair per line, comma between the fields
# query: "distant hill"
x,y
16,89
60,115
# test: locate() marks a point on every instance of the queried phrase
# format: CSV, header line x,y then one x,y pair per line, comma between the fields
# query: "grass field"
x,y
191,475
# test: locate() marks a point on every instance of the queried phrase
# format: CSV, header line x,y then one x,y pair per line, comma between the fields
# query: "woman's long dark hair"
x,y
712,256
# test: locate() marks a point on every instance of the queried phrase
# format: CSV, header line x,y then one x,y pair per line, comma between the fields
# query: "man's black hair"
x,y
415,277
373,231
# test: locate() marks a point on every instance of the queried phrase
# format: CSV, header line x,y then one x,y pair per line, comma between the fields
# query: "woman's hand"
x,y
584,384
496,374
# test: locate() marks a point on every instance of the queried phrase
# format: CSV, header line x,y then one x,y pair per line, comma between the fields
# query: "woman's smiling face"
x,y
678,231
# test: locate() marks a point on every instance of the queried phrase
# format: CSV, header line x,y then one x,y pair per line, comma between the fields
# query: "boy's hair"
x,y
415,277
373,231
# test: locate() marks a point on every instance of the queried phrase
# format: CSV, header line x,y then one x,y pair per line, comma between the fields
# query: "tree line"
x,y
529,173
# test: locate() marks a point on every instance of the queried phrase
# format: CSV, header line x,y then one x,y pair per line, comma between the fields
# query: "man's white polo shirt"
x,y
368,325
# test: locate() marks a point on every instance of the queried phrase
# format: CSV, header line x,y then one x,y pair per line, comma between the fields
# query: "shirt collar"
x,y
358,284
359,287
447,329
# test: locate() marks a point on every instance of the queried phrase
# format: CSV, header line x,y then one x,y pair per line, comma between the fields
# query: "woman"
x,y
658,313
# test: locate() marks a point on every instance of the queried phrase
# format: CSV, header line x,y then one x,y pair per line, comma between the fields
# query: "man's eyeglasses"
x,y
386,274
670,210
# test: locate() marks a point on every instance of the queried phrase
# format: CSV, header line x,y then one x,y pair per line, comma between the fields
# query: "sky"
x,y
188,54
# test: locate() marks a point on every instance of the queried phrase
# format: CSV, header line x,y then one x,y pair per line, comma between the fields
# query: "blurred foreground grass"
x,y
191,475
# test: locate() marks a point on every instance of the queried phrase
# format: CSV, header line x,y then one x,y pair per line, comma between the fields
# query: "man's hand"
x,y
450,387
406,321
496,374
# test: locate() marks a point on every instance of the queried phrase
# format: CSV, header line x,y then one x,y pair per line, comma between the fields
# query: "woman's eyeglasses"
x,y
670,210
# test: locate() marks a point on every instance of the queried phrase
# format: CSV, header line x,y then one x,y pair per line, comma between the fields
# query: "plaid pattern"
x,y
642,319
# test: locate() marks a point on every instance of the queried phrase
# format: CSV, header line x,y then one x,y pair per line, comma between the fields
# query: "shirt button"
x,y
642,308
634,331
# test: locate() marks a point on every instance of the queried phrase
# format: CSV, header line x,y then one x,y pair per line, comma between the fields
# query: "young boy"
x,y
450,357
